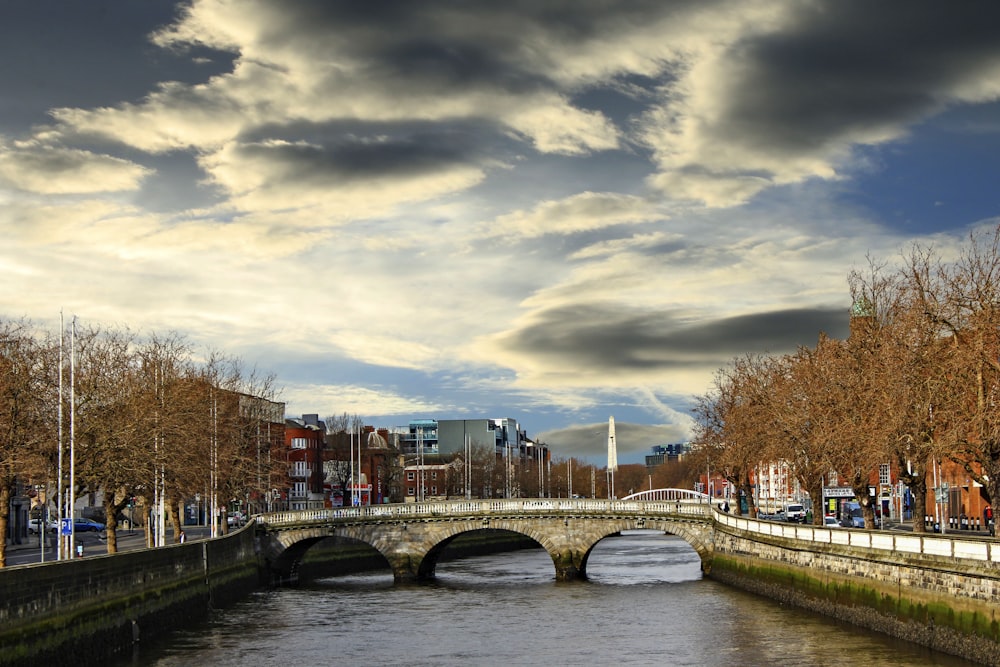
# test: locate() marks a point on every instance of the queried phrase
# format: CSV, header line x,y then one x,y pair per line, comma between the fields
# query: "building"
x,y
304,442
664,453
428,442
428,481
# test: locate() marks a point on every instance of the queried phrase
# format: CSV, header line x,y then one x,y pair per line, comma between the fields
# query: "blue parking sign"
x,y
67,526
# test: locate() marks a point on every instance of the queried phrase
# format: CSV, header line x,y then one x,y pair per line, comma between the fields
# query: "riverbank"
x,y
87,610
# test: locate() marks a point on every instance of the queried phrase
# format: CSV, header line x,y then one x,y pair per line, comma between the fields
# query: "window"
x,y
299,489
411,491
434,475
883,474
300,469
434,490
299,443
409,476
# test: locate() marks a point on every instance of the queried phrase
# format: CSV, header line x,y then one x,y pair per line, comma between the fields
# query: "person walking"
x,y
182,537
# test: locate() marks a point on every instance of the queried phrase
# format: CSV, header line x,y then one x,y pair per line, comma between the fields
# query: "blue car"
x,y
85,525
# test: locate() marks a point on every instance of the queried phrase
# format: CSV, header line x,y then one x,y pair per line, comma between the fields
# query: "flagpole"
x,y
72,438
59,479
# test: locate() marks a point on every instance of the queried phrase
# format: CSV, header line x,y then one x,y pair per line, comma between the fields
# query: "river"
x,y
645,604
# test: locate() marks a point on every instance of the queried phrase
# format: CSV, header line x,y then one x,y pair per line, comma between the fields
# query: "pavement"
x,y
94,544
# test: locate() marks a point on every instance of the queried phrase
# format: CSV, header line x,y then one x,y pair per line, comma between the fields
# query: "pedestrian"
x,y
988,519
182,537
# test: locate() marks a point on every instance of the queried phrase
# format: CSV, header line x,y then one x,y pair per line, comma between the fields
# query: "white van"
x,y
795,512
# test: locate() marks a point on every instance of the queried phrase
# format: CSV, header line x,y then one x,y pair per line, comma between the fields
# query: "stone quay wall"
x,y
83,610
946,603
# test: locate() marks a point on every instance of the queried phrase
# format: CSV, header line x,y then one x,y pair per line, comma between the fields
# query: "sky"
x,y
555,211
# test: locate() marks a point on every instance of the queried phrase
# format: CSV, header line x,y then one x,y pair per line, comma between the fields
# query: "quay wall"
x,y
946,603
83,610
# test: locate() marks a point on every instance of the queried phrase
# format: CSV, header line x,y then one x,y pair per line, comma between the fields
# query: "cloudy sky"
x,y
552,211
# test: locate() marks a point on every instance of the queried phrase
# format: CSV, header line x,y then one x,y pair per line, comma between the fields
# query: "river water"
x,y
645,604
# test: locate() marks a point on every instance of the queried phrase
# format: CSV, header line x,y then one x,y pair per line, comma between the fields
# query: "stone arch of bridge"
x,y
284,550
413,549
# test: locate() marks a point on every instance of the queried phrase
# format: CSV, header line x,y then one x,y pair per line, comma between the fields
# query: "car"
x,y
795,513
235,519
35,525
831,522
87,525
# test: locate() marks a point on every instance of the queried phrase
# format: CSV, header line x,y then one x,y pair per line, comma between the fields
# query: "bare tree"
x,y
733,422
963,300
802,432
26,414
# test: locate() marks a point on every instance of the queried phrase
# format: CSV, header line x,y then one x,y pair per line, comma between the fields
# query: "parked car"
x,y
235,519
34,526
86,525
831,522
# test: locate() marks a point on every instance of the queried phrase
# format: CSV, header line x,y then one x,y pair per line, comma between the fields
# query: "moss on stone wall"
x,y
944,623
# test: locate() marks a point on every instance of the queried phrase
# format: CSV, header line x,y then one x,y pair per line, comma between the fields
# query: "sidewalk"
x,y
94,544
951,532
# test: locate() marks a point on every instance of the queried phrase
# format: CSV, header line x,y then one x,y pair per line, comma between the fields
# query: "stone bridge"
x,y
411,536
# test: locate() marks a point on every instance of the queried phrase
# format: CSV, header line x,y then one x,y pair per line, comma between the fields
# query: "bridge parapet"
x,y
489,508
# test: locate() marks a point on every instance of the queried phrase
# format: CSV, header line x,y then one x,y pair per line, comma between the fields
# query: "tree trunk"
x,y
816,496
174,515
747,488
917,483
111,522
867,510
4,505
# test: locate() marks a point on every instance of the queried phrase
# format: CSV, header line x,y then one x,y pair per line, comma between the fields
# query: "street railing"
x,y
943,546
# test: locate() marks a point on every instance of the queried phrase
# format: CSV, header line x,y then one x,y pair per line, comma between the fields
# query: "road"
x,y
94,544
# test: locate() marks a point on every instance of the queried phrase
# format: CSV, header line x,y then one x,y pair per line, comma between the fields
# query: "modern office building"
x,y
663,453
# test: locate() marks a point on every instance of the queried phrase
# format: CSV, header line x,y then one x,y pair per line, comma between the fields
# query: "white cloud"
x,y
335,399
586,211
53,170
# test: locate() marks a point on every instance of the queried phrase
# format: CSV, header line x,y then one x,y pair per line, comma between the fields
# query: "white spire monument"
x,y
612,457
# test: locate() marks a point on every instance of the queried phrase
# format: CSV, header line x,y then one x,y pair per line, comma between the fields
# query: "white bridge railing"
x,y
883,540
486,508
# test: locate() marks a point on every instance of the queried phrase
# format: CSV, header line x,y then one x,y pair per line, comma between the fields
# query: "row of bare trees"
x,y
917,381
147,417
560,478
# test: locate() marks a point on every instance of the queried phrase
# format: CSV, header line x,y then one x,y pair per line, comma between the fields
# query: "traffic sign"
x,y
67,526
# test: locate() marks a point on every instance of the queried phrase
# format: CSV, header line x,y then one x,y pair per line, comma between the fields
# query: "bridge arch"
x,y
412,537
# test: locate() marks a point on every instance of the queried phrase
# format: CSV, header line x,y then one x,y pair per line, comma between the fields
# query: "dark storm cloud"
x,y
459,45
847,66
604,339
352,159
